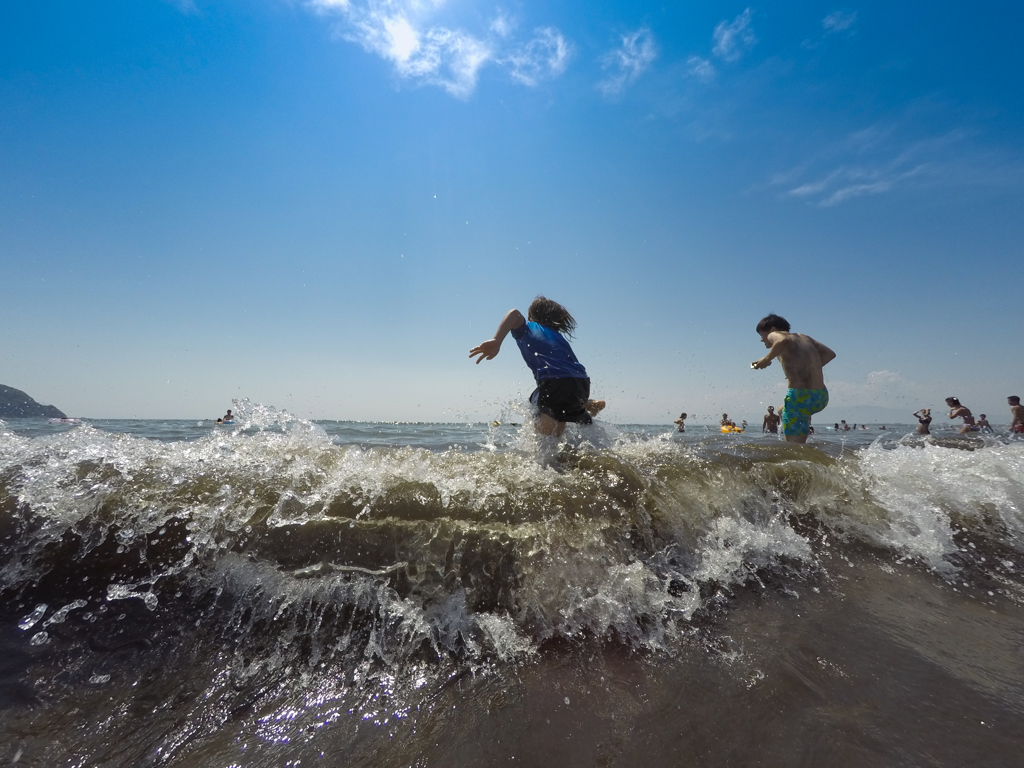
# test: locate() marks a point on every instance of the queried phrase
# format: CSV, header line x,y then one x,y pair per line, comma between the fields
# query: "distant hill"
x,y
16,404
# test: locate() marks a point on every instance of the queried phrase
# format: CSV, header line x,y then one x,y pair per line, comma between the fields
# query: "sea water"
x,y
277,592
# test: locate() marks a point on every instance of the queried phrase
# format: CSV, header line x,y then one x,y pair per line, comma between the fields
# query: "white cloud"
x,y
503,26
735,39
838,21
873,161
545,56
701,68
407,34
879,388
627,62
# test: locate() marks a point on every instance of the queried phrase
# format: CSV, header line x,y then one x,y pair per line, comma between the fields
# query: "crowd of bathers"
x,y
924,419
958,410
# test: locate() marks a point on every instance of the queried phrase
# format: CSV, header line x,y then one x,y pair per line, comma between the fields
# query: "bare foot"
x,y
594,407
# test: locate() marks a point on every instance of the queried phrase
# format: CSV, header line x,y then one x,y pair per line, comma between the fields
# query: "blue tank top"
x,y
547,352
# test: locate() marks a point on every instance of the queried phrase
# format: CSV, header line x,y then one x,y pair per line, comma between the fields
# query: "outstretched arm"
x,y
489,349
779,343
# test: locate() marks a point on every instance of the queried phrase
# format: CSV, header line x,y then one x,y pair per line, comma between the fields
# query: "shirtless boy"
x,y
771,421
1017,411
802,359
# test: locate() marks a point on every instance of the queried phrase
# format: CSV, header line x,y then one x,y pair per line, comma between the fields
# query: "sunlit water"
x,y
278,592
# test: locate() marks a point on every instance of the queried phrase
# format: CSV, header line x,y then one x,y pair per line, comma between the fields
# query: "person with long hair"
x,y
563,386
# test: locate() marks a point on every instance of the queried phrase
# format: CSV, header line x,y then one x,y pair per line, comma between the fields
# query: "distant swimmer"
x,y
802,359
563,386
227,418
845,427
680,423
957,411
726,421
771,421
835,427
1017,411
924,418
983,424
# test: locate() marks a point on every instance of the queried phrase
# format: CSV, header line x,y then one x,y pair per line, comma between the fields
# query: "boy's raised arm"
x,y
488,350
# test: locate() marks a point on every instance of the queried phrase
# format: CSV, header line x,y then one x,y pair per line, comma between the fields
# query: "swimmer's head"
x,y
771,408
552,315
770,322
952,401
1013,400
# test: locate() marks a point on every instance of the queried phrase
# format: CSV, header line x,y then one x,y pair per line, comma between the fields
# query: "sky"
x,y
322,205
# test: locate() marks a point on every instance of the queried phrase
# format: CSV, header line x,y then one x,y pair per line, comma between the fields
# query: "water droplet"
x,y
30,621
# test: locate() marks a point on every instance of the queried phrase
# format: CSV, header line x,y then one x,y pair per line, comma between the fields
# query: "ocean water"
x,y
281,593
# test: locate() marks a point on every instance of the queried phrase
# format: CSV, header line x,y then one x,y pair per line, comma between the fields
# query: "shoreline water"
x,y
383,595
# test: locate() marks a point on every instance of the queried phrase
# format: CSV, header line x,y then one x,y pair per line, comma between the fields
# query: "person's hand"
x,y
759,364
487,351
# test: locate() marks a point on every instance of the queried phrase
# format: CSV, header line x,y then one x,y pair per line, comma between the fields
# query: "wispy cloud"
x,y
835,22
872,161
879,388
700,68
408,34
734,39
545,56
627,62
838,21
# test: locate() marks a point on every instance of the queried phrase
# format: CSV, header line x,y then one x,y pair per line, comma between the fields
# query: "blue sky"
x,y
324,205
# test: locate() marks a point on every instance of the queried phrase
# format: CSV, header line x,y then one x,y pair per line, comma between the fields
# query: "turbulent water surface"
x,y
277,592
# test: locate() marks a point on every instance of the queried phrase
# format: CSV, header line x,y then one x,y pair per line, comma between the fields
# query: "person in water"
x,y
845,427
802,361
771,421
680,423
563,386
957,411
924,418
983,424
726,421
227,418
1017,412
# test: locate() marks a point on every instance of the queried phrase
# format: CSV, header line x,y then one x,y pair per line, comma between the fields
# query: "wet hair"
x,y
682,415
773,321
952,401
552,315
1016,400
983,416
771,407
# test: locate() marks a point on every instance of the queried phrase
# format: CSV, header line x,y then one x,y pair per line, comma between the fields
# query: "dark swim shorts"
x,y
563,399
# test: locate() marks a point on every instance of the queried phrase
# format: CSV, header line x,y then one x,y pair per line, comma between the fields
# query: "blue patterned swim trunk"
x,y
799,406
